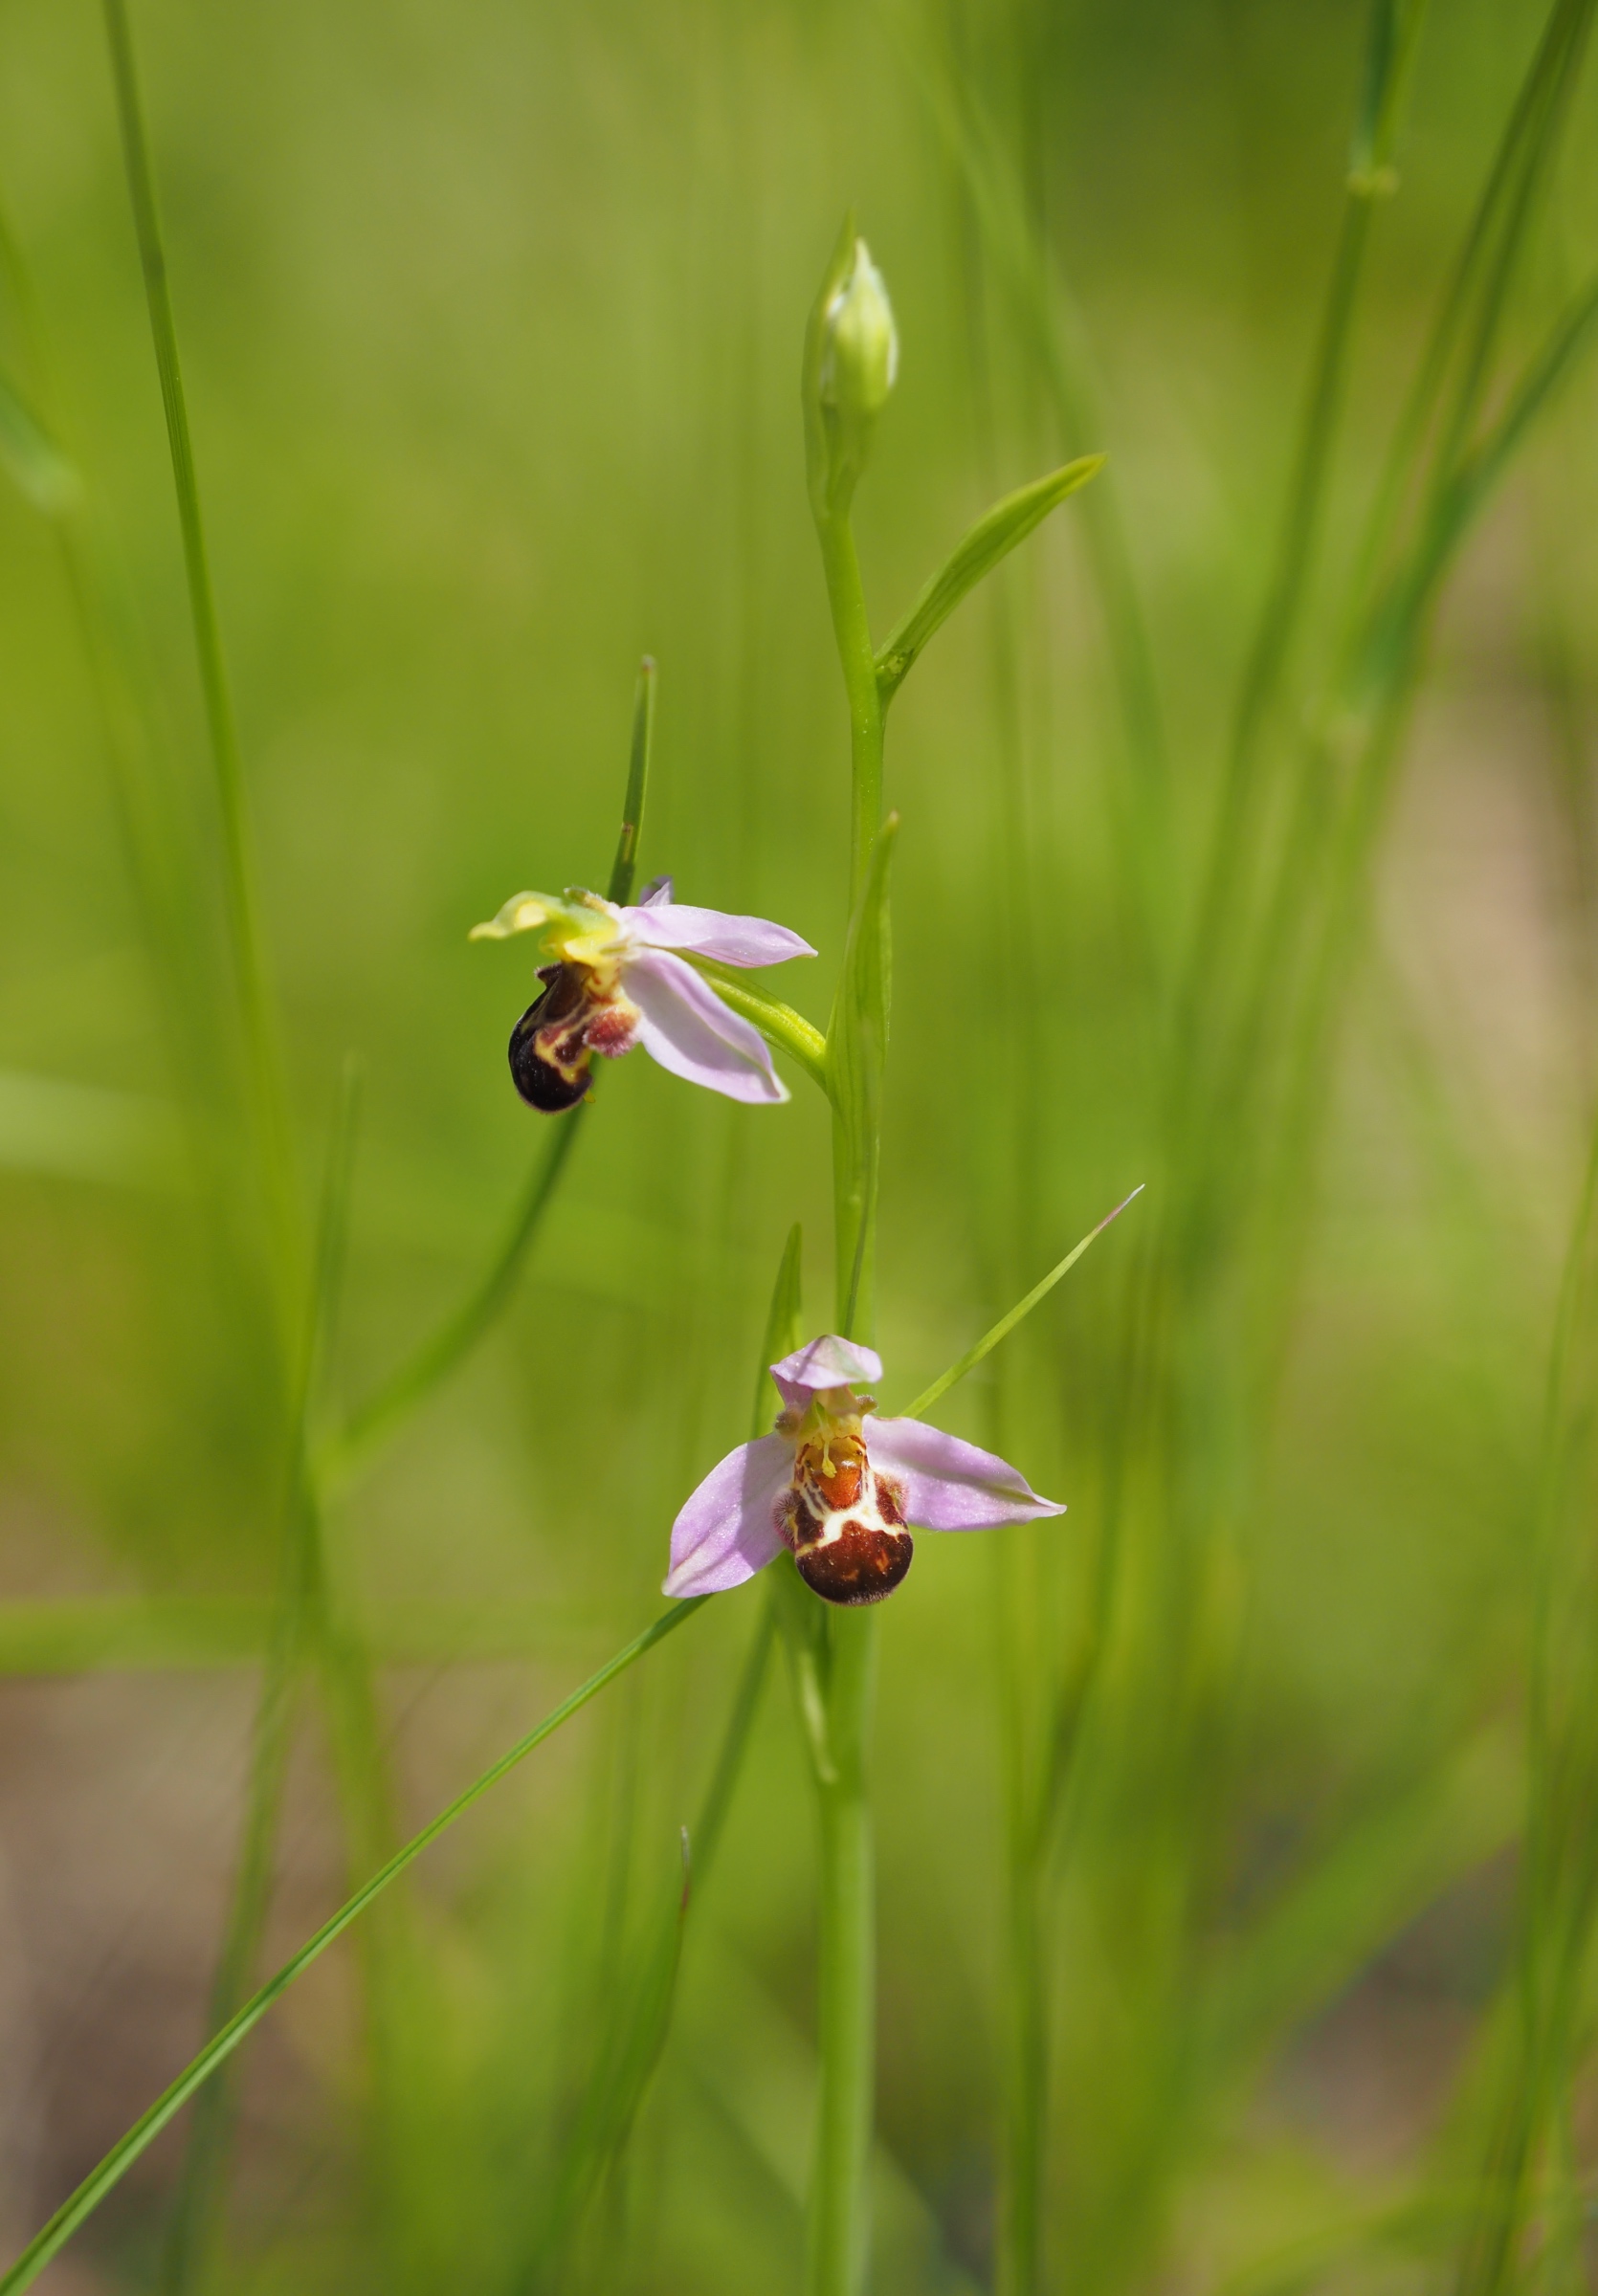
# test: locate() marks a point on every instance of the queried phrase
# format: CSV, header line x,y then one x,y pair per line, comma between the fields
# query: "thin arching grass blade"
x,y
780,1335
441,1353
370,1424
624,867
241,900
637,2036
1031,277
1543,1988
109,2171
1018,1314
987,545
1392,42
203,2173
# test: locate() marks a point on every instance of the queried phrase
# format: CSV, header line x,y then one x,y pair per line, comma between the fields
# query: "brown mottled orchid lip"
x,y
550,1063
844,1523
861,1563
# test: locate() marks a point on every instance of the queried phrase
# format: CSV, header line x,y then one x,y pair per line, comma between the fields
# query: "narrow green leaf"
x,y
194,2223
992,538
82,2204
368,1427
638,2031
624,868
782,1327
1017,1314
42,472
1391,47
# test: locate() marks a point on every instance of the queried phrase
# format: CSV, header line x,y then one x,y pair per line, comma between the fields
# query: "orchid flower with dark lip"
x,y
840,1488
617,980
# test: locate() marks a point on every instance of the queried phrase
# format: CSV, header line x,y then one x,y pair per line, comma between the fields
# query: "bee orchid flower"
x,y
621,977
840,1488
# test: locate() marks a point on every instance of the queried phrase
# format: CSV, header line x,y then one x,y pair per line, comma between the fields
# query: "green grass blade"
x,y
82,2204
1018,1314
637,2037
345,1452
1031,277
241,901
1545,1989
1391,46
201,2182
987,545
1491,242
780,1335
623,868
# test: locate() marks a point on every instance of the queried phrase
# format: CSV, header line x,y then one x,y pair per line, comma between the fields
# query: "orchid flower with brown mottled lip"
x,y
839,1488
619,980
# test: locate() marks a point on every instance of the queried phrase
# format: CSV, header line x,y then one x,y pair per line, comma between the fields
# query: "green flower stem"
x,y
836,2262
852,631
837,2229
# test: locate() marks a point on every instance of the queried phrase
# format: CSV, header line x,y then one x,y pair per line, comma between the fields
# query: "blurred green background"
x,y
1198,1813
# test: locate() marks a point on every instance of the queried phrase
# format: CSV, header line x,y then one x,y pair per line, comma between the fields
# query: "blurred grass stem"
x,y
241,901
383,1413
844,1642
201,2182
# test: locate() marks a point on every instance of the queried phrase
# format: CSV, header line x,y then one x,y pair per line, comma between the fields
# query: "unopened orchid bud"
x,y
860,360
850,360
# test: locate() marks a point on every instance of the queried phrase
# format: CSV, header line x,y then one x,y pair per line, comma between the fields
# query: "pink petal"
x,y
688,1029
950,1485
669,924
727,1530
828,1363
655,892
